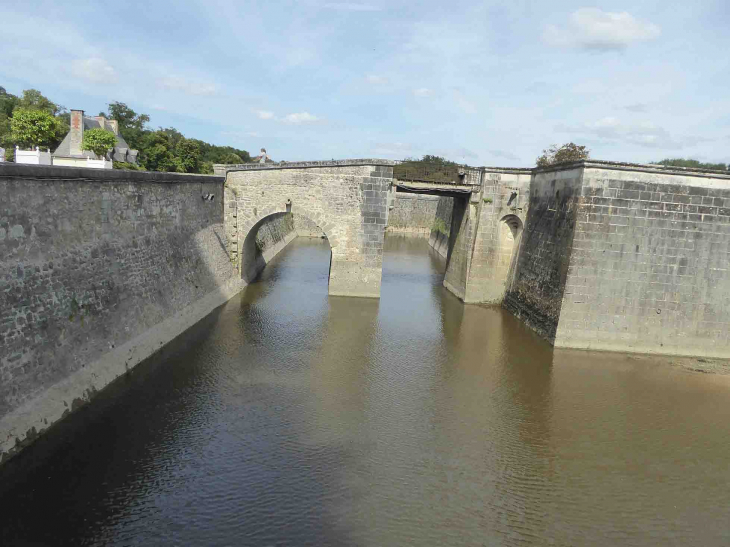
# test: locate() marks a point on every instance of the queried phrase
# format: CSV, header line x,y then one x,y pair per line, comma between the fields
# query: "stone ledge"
x,y
58,172
304,164
638,167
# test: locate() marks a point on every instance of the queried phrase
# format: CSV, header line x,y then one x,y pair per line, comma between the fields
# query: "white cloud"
x,y
644,134
264,114
345,6
423,92
299,118
175,83
94,70
376,80
592,28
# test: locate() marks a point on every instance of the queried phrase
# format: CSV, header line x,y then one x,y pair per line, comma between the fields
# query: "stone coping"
x,y
58,172
639,167
307,164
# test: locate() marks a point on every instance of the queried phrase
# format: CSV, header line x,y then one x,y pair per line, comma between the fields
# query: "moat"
x,y
290,417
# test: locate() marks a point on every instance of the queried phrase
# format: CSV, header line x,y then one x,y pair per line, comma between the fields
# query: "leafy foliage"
x,y
440,226
126,166
132,126
29,128
99,141
428,168
33,99
561,154
680,162
41,122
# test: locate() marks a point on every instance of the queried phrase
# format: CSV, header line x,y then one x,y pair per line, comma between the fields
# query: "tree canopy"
x,y
99,141
561,154
29,128
32,119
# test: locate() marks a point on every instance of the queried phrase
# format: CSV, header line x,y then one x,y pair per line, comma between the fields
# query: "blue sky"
x,y
485,83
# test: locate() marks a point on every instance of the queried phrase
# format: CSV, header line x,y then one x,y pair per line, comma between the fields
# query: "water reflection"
x,y
290,417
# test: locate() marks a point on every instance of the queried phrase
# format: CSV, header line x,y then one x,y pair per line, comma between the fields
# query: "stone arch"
x,y
253,261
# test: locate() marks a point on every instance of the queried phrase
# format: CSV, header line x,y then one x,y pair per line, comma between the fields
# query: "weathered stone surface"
x,y
346,200
649,269
413,213
98,269
535,293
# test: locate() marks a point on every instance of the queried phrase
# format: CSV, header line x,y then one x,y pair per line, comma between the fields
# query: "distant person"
x,y
263,157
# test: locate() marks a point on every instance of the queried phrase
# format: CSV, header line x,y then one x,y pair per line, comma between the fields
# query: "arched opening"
x,y
268,237
510,230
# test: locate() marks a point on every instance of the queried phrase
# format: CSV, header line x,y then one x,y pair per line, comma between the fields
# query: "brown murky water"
x,y
290,418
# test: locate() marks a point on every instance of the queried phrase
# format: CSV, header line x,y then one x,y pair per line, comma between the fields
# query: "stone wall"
x,y
649,269
305,227
412,213
502,209
439,235
535,293
98,270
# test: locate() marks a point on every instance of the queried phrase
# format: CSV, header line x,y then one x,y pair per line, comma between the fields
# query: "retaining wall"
x,y
627,258
412,213
98,270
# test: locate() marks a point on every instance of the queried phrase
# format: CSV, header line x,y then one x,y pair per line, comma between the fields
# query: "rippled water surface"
x,y
288,417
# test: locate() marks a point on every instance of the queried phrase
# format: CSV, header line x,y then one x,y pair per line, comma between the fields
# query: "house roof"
x,y
120,149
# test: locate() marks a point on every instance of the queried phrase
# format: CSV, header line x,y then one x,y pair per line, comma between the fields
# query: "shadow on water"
x,y
157,459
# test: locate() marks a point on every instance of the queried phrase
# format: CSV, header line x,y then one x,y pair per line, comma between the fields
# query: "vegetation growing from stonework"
x,y
428,168
568,152
98,141
440,226
681,162
41,122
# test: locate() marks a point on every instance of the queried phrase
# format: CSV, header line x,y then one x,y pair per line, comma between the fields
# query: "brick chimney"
x,y
77,131
115,126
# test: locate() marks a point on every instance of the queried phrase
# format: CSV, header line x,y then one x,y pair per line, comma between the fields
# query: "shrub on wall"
x,y
562,154
440,226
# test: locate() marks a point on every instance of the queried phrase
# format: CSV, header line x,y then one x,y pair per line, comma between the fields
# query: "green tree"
x,y
231,158
561,154
187,153
33,99
681,162
30,128
132,126
159,153
99,141
8,102
127,166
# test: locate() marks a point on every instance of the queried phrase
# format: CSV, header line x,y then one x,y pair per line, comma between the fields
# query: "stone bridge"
x,y
349,201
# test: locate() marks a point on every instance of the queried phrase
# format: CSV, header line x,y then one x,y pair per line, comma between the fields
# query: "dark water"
x,y
290,418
